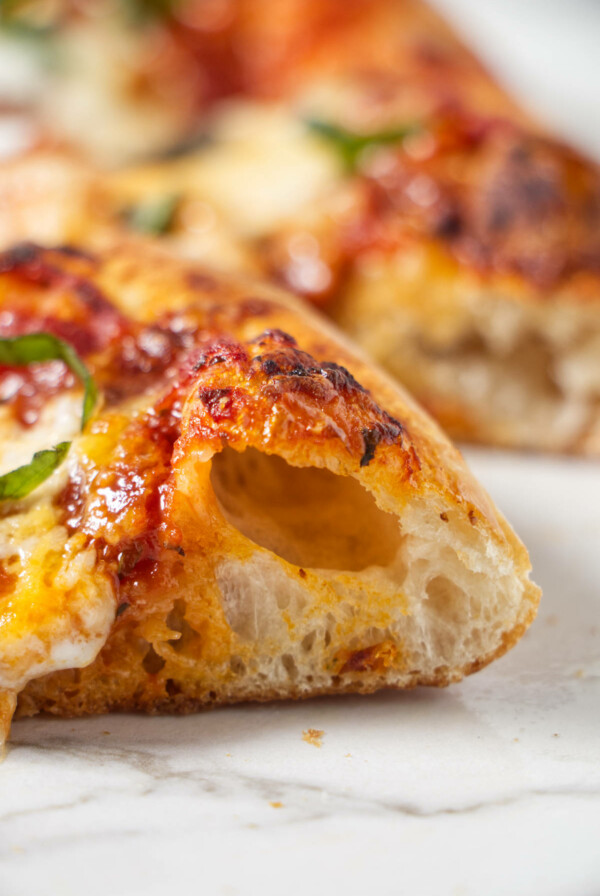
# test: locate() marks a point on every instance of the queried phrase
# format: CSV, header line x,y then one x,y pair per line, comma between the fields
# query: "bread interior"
x,y
517,373
423,583
308,516
297,581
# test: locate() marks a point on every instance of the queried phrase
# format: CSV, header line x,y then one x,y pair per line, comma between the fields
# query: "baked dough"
x,y
253,512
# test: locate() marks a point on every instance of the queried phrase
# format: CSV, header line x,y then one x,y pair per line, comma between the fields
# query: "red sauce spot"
x,y
125,357
376,658
7,581
26,390
71,501
218,403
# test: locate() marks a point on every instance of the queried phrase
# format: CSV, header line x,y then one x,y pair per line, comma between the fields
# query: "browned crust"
x,y
239,335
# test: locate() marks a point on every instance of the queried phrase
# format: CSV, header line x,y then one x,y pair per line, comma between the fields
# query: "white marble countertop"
x,y
489,788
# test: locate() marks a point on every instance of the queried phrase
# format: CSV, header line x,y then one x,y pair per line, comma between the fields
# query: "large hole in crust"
x,y
308,516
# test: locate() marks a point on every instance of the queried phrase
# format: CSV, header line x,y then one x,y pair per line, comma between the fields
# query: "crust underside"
x,y
53,696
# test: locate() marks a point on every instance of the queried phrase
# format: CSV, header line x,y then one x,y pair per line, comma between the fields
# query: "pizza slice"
x,y
207,496
126,80
358,154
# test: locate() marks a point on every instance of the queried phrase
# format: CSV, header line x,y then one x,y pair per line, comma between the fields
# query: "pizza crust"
x,y
298,527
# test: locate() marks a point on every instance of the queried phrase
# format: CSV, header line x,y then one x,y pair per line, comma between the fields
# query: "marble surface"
x,y
488,788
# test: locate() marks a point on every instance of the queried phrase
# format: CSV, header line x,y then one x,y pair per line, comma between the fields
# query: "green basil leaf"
x,y
33,347
350,145
20,351
20,482
153,216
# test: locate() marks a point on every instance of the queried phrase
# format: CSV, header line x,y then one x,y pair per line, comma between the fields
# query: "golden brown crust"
x,y
194,317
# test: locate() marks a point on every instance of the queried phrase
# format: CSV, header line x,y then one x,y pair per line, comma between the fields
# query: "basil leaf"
x,y
350,144
29,349
153,216
33,347
20,482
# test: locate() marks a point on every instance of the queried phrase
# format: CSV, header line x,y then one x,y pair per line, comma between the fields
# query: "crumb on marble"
x,y
516,740
275,804
348,756
313,736
555,735
106,732
580,673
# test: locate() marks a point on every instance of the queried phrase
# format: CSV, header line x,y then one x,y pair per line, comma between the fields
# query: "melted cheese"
x,y
264,168
58,422
60,608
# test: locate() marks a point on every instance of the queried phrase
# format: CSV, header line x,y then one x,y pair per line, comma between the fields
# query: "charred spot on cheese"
x,y
291,362
371,438
21,255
